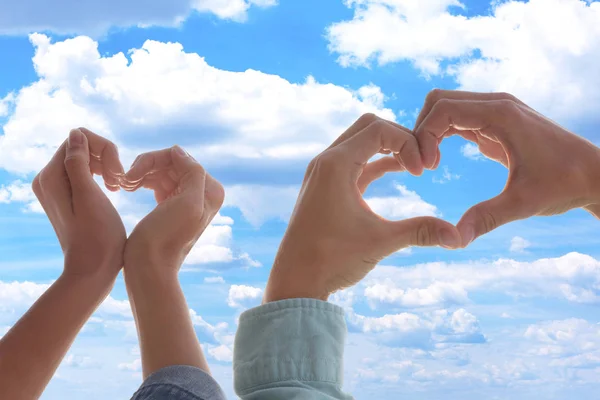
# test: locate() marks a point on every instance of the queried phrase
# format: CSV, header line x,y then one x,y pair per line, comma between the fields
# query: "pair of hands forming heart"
x,y
334,239
89,227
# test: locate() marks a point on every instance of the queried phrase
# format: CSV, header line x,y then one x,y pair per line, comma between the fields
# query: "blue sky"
x,y
254,89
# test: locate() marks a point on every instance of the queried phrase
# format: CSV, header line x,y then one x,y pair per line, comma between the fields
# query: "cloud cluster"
x,y
516,48
573,277
226,118
243,296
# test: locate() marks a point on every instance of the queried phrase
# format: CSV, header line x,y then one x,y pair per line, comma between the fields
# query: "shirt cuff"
x,y
295,339
179,382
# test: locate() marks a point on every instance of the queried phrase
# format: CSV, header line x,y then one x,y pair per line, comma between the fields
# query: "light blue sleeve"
x,y
290,349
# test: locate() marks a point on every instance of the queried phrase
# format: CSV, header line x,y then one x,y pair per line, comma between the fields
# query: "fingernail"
x,y
448,240
469,235
75,138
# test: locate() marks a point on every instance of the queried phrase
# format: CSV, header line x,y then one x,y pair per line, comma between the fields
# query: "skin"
x,y
334,239
92,238
551,170
188,199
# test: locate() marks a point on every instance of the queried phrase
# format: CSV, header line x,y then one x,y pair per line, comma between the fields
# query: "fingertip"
x,y
466,228
449,238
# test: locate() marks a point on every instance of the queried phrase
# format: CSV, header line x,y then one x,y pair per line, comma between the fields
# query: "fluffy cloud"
x,y
434,294
241,296
96,18
422,331
519,245
19,192
221,353
516,48
471,151
407,205
257,205
574,277
223,116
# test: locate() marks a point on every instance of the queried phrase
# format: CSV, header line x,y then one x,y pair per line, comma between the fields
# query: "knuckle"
x,y
215,193
36,186
325,161
508,96
488,220
433,96
111,147
423,236
368,118
508,105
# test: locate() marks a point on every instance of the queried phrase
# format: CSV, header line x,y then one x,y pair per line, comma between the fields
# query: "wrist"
x,y
98,285
287,282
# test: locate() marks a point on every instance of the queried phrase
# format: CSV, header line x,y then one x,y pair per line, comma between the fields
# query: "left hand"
x,y
188,199
334,239
89,229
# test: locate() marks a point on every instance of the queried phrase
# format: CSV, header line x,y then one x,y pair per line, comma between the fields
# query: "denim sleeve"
x,y
290,349
179,382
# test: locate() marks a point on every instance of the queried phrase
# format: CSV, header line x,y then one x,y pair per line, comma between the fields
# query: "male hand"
x,y
188,199
334,239
89,229
551,170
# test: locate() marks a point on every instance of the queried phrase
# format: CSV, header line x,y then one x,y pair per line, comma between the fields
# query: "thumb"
x,y
422,231
487,216
77,161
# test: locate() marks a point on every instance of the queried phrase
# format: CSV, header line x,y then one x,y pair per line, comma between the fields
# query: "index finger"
x,y
104,153
453,116
382,136
438,94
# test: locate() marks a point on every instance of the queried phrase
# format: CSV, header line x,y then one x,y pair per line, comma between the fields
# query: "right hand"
x,y
551,170
334,239
188,199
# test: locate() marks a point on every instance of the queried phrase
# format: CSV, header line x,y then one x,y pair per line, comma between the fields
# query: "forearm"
x,y
166,333
32,350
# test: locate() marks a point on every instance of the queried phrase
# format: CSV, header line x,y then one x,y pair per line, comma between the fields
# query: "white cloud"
x,y
434,294
76,361
423,331
574,277
571,343
5,103
222,220
447,176
221,353
19,192
96,18
135,365
214,279
246,116
409,204
256,202
471,151
242,295
519,245
521,50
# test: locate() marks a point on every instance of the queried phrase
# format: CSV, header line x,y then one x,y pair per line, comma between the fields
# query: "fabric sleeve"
x,y
290,349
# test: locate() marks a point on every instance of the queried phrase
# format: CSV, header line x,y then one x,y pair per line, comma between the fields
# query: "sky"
x,y
254,89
